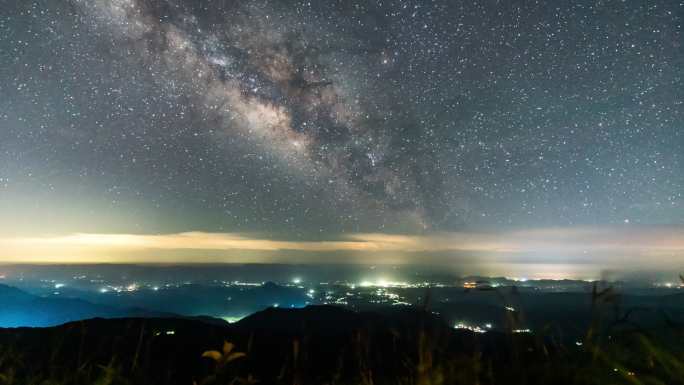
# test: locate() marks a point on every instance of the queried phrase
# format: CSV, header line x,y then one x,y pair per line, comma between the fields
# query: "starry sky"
x,y
329,121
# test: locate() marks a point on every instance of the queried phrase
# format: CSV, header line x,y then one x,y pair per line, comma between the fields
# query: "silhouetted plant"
x,y
224,357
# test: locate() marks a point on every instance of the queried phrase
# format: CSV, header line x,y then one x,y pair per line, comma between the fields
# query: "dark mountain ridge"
x,y
312,345
20,308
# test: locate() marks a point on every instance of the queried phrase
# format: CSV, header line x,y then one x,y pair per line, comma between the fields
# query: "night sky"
x,y
323,121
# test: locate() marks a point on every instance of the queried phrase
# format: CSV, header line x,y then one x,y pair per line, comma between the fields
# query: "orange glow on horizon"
x,y
605,245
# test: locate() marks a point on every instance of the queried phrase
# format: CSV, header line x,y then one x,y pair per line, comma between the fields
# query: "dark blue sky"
x,y
312,119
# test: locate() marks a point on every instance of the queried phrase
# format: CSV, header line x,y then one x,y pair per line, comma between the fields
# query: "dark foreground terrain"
x,y
329,345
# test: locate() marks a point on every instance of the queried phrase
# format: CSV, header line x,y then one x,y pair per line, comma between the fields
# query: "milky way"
x,y
310,119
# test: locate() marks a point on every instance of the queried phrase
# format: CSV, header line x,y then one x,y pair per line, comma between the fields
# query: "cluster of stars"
x,y
326,117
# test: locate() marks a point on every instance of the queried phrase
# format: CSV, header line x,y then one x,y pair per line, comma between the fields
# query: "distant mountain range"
x,y
19,308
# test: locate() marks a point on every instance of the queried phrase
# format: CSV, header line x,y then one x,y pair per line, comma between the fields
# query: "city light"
x,y
464,326
132,287
232,319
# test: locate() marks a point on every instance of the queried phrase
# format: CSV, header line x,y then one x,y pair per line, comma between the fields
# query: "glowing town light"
x,y
464,326
509,308
104,290
59,285
233,319
132,287
296,280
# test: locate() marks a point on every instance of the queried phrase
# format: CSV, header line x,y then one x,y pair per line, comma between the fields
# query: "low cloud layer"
x,y
617,248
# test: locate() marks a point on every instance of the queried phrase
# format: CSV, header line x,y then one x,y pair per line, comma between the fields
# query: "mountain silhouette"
x,y
20,308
